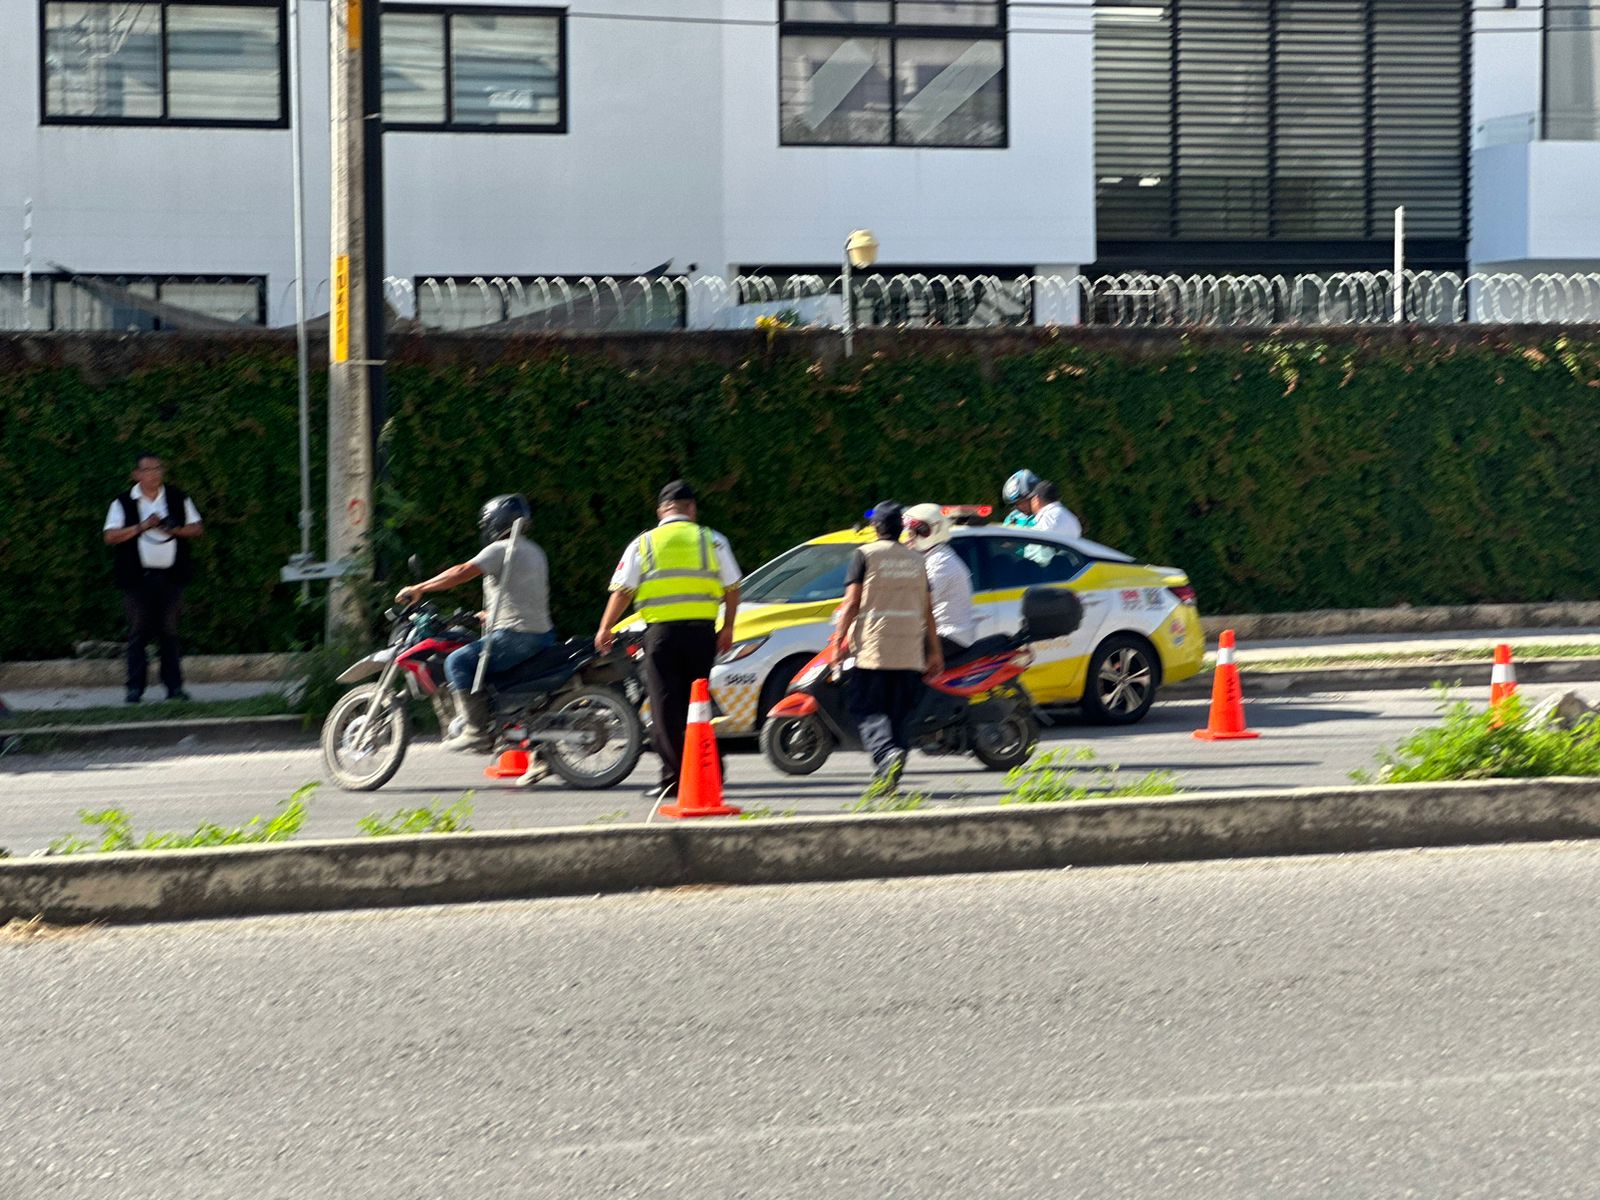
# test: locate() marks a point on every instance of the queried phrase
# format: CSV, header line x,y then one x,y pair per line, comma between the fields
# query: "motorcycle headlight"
x,y
742,650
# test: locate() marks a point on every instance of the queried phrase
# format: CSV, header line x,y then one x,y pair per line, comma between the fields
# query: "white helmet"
x,y
926,526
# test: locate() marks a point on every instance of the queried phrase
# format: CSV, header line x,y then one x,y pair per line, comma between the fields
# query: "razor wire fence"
x,y
908,300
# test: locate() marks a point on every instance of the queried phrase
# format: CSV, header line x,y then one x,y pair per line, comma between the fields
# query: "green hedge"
x,y
1352,469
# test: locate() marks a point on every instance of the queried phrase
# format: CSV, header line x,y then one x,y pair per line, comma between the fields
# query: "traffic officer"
x,y
677,575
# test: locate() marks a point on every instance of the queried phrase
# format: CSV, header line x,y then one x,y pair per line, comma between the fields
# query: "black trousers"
x,y
152,609
881,704
676,653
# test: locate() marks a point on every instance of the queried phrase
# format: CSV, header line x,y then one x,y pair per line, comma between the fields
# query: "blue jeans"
x,y
509,649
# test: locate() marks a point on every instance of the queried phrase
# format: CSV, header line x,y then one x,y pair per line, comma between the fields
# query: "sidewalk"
x,y
61,699
1411,645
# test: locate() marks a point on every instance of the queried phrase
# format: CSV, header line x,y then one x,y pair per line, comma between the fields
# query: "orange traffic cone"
x,y
1227,698
1503,680
700,785
512,764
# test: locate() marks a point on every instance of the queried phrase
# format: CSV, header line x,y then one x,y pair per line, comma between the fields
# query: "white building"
x,y
151,142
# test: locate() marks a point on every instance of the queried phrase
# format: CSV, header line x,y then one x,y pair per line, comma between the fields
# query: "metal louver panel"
x,y
1419,124
1224,159
1301,120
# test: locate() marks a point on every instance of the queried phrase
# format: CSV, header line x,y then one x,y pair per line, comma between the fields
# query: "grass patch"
x,y
420,820
1059,778
1508,743
114,830
271,705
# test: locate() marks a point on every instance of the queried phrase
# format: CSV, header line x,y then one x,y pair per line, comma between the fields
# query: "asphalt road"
x,y
1407,1024
1305,741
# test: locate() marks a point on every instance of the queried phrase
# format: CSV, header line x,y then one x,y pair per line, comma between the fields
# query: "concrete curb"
x,y
1302,681
288,728
458,868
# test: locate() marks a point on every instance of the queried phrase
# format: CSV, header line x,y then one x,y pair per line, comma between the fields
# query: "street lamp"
x,y
860,250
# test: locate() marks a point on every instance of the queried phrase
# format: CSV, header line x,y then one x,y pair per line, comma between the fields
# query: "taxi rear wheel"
x,y
1121,686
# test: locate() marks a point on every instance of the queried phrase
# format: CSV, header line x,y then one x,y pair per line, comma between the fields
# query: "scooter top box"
x,y
1051,612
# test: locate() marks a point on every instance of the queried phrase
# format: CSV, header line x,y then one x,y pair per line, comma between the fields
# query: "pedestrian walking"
x,y
887,621
678,576
149,530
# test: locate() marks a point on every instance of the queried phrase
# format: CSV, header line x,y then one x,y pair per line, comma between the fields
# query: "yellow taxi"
x,y
1140,630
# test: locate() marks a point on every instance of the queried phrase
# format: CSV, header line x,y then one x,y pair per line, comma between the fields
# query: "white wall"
x,y
151,201
672,154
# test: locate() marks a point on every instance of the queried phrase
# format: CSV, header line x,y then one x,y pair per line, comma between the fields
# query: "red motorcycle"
x,y
974,706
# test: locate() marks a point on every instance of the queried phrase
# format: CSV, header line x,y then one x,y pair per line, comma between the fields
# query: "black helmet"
x,y
500,514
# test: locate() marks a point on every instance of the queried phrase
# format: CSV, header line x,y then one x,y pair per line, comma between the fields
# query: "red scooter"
x,y
974,706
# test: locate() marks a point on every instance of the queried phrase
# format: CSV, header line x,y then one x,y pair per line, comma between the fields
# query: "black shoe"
x,y
179,695
132,696
661,791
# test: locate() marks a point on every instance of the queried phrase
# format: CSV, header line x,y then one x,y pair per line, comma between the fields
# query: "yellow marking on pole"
x,y
352,24
341,309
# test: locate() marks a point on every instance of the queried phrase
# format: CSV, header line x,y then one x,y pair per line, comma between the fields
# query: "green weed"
x,y
881,798
420,820
765,812
117,832
1484,744
1057,778
609,818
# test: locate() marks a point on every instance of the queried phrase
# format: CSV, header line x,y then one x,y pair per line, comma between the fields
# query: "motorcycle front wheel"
x,y
362,759
612,743
796,745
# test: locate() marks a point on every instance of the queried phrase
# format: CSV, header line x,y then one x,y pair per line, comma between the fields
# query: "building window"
x,y
204,62
1572,70
122,304
1295,120
479,70
892,73
508,304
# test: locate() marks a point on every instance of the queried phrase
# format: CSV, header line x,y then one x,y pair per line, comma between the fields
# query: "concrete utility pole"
x,y
356,330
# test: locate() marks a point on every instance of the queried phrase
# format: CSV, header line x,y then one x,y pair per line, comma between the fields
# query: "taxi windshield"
x,y
802,575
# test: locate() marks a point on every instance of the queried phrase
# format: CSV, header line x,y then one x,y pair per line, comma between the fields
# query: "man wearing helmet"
x,y
519,578
949,581
1016,492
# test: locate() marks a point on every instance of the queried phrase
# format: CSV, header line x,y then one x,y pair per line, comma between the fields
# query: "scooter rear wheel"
x,y
1007,744
796,745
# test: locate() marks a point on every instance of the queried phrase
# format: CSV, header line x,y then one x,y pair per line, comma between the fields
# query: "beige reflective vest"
x,y
891,630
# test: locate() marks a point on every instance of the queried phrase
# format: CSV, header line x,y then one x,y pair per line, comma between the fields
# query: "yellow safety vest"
x,y
679,580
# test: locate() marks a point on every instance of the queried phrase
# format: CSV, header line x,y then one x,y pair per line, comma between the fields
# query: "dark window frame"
x,y
991,551
164,121
680,300
447,11
51,279
1545,30
894,33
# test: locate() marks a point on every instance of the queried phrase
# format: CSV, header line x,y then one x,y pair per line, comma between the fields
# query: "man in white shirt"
x,y
1049,513
149,530
955,618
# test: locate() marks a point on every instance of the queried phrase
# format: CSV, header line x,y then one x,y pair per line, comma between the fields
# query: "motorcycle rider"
x,y
1050,513
1016,492
956,620
521,623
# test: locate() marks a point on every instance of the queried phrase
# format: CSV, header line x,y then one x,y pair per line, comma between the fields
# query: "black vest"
x,y
129,570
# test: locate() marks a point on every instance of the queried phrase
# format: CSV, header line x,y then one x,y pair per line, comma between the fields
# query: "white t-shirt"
x,y
1056,516
631,569
950,583
158,549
